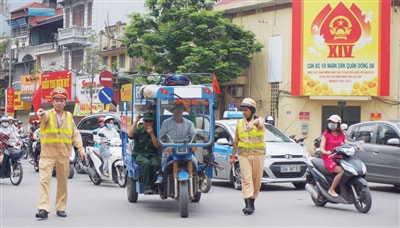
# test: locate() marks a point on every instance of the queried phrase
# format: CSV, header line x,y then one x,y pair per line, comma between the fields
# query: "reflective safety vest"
x,y
52,134
250,142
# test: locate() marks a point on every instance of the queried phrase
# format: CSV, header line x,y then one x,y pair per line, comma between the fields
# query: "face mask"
x,y
4,124
101,124
332,126
109,126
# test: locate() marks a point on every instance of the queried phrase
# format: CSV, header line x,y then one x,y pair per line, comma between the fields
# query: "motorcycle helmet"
x,y
4,119
10,118
108,119
249,103
176,79
335,119
101,119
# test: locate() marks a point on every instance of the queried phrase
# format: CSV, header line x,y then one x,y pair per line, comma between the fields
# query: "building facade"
x,y
269,78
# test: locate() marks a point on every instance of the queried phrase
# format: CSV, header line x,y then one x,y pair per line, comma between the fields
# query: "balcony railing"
x,y
73,36
46,48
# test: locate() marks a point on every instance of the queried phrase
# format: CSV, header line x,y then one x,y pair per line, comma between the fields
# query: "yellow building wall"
x,y
278,21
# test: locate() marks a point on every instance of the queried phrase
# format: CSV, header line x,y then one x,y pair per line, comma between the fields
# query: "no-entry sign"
x,y
106,79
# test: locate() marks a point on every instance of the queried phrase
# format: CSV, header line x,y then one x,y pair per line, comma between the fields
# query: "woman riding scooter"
x,y
331,138
109,132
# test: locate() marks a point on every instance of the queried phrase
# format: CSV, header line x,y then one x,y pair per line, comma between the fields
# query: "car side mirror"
x,y
393,142
222,141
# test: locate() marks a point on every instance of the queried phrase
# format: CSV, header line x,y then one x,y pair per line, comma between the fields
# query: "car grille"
x,y
276,170
285,156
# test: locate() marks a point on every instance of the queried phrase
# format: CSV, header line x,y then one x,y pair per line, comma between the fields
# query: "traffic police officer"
x,y
57,135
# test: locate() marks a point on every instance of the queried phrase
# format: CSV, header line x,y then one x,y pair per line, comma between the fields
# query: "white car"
x,y
285,160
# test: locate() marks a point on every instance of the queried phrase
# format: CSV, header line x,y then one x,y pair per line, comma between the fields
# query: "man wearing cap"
x,y
58,134
177,126
145,149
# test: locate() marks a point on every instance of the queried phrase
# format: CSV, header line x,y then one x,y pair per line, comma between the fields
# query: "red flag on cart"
x,y
37,99
215,84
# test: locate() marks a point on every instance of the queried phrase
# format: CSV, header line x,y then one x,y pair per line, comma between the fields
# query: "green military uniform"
x,y
146,156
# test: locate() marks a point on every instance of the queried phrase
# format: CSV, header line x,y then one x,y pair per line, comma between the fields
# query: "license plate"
x,y
290,169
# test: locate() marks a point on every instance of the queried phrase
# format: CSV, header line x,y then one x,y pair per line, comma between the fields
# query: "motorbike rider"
x,y
20,128
8,138
11,124
269,119
332,137
101,124
36,143
145,149
109,132
175,127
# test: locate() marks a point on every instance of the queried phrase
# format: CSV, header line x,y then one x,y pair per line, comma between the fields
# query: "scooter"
x,y
25,145
14,167
116,169
352,189
317,149
72,158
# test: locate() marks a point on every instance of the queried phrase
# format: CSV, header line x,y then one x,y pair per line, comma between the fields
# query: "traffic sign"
x,y
106,79
106,95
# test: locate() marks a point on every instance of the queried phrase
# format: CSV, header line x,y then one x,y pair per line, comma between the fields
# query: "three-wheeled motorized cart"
x,y
186,162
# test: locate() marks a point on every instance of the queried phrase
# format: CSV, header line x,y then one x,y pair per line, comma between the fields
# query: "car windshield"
x,y
272,134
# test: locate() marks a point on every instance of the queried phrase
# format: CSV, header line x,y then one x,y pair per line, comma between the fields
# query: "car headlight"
x,y
267,156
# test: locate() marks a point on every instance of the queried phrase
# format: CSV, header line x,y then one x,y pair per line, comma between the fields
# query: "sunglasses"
x,y
148,121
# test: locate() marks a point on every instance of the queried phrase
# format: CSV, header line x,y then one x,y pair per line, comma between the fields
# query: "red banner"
x,y
10,101
52,80
342,48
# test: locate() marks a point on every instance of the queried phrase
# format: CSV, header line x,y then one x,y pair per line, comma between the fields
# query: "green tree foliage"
x,y
187,36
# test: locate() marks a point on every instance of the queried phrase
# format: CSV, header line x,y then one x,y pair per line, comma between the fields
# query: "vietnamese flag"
x,y
37,99
215,84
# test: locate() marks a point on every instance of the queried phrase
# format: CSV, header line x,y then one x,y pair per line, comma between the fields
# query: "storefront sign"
x,y
29,84
83,109
10,101
341,49
126,92
18,104
88,88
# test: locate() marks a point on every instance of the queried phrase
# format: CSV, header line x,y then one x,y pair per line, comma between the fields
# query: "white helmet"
x,y
4,119
10,118
108,118
249,103
343,126
335,118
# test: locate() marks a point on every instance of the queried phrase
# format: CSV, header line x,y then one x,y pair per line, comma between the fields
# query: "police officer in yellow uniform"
x,y
249,142
57,135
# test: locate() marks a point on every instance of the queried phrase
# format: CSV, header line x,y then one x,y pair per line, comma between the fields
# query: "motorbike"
x,y
72,158
24,139
36,148
79,164
352,189
14,169
116,169
317,149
